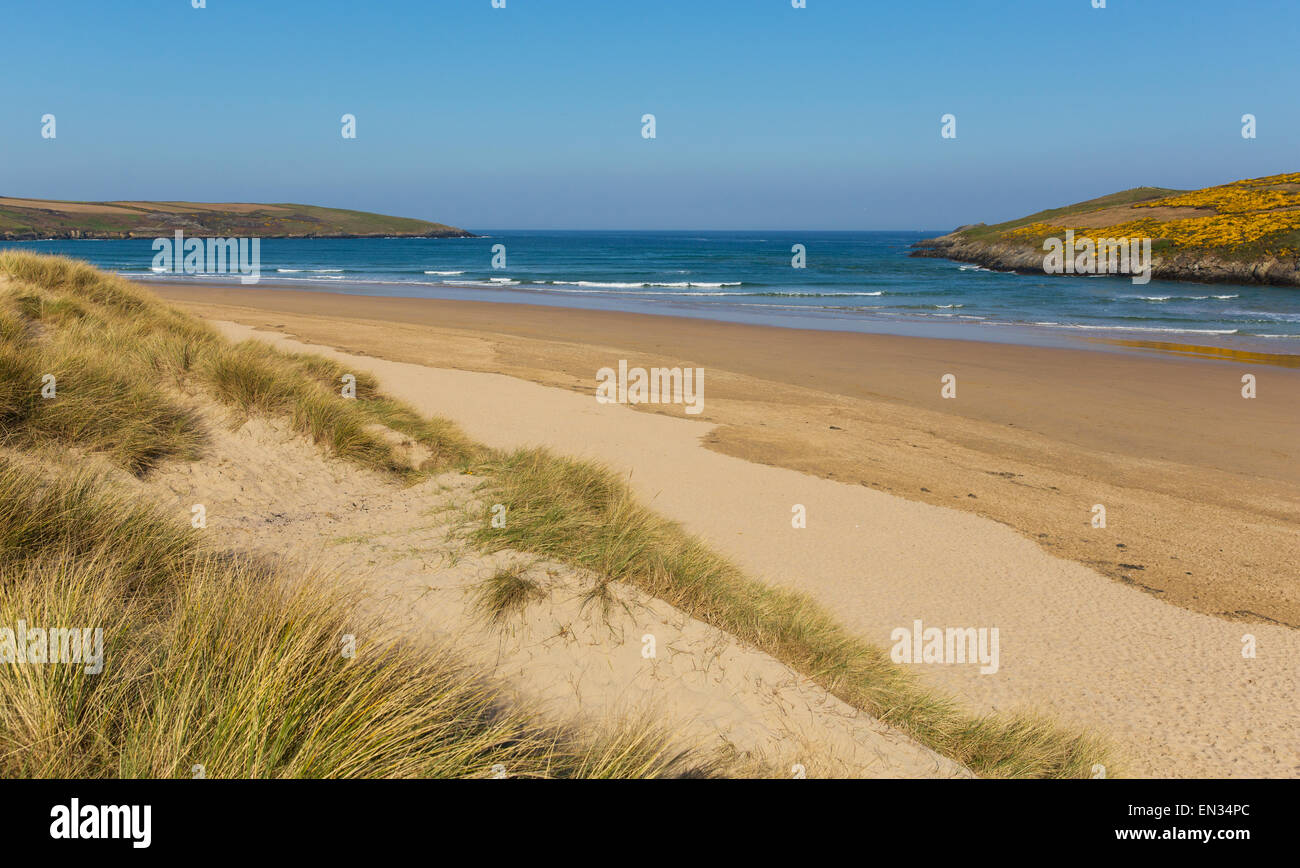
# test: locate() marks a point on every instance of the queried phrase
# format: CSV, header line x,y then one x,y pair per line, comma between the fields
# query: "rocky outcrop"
x,y
1199,266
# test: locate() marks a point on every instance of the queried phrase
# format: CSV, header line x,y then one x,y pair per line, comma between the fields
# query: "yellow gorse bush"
x,y
1247,212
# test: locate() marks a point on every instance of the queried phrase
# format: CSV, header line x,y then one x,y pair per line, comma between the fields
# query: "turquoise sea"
x,y
857,281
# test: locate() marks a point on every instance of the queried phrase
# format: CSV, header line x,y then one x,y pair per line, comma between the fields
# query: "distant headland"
x,y
42,219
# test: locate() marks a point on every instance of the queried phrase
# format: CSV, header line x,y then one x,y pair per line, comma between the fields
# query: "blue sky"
x,y
769,117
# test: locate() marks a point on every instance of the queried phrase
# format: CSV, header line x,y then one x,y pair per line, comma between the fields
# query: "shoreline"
x,y
1065,336
1202,486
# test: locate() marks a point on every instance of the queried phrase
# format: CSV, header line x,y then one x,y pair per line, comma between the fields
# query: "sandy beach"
x,y
968,512
1201,486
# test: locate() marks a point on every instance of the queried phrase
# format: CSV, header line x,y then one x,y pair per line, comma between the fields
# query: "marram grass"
x,y
580,513
239,667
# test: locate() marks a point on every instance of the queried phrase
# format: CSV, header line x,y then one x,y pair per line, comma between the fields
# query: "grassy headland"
x,y
1247,232
32,219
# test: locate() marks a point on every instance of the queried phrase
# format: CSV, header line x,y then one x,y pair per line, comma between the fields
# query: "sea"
x,y
850,281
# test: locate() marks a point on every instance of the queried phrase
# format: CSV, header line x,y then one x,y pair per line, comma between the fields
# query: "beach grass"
x,y
109,343
242,669
140,360
508,592
583,514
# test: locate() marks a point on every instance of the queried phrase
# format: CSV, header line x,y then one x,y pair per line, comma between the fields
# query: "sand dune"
x,y
1170,686
265,489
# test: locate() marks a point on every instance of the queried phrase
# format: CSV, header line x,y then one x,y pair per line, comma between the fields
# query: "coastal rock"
x,y
1194,266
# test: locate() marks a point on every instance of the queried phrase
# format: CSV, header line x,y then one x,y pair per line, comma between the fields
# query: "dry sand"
x,y
1170,686
267,490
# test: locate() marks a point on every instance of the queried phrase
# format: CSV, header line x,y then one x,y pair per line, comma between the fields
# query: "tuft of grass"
x,y
508,592
580,513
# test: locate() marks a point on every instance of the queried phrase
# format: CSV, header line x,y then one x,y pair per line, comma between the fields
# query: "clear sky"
x,y
767,116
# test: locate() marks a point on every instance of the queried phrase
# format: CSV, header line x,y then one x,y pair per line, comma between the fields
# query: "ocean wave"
x,y
1115,328
776,294
682,284
1270,316
593,286
444,273
1174,297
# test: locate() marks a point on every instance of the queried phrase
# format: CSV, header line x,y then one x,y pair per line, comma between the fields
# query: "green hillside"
x,y
28,219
